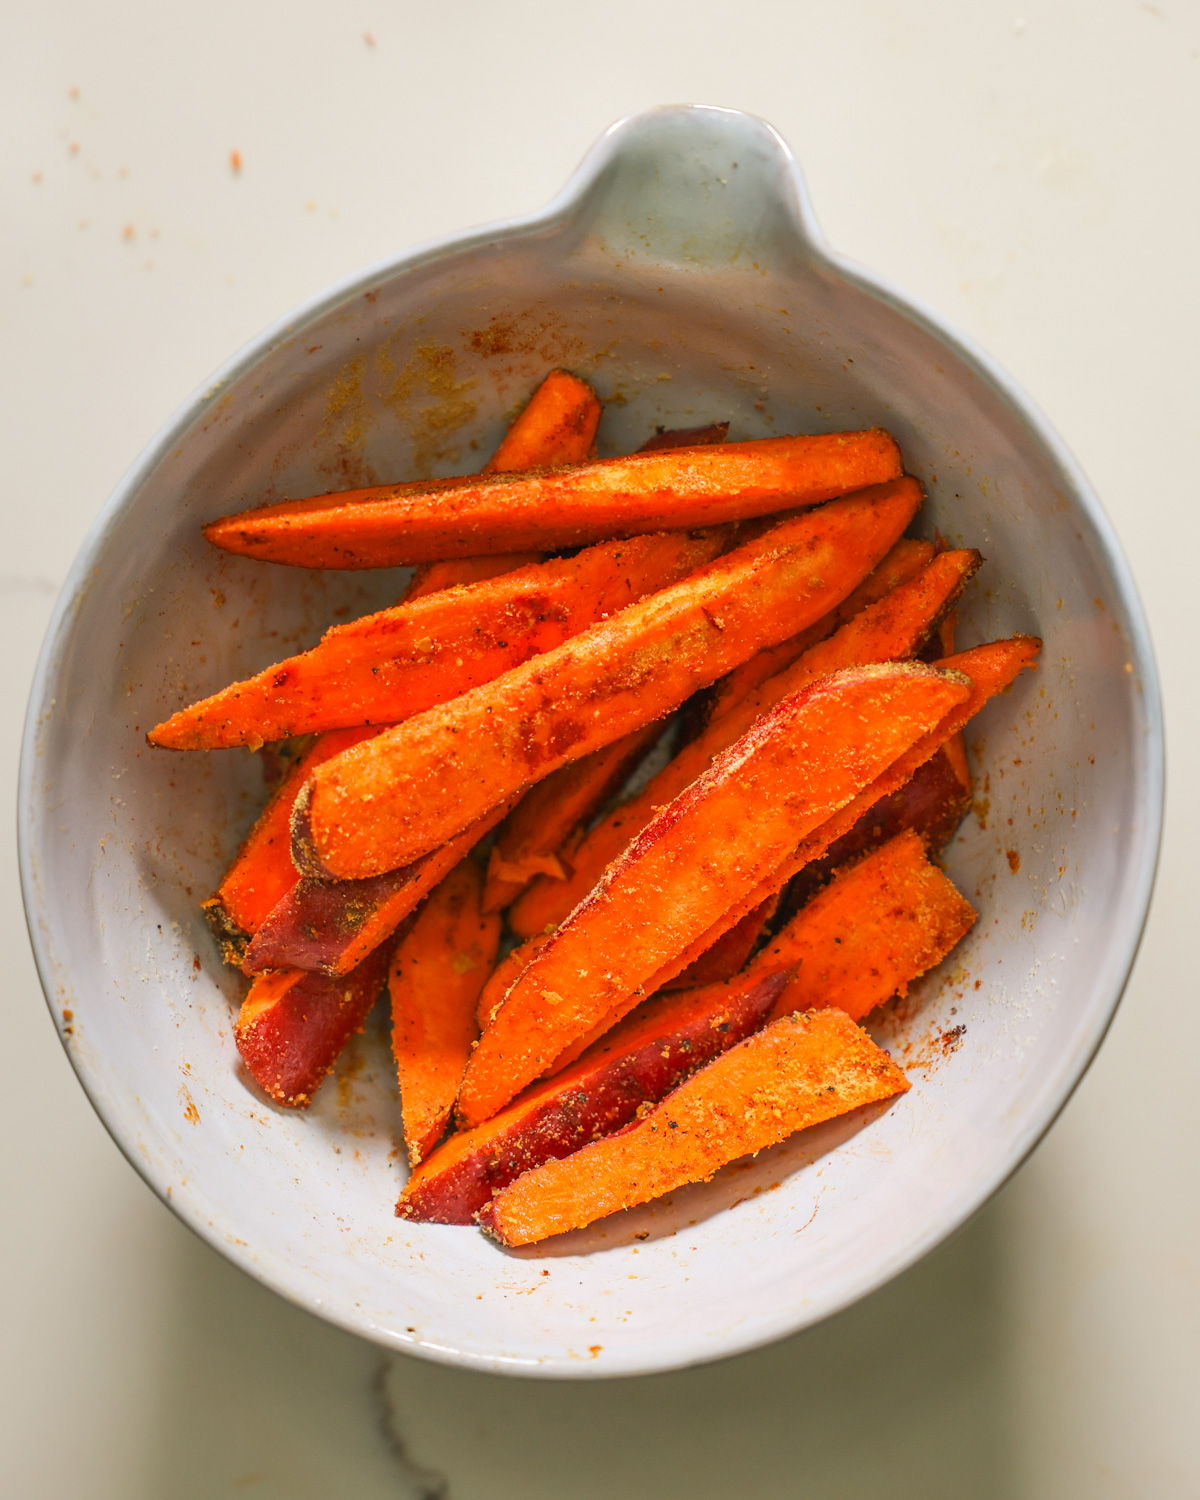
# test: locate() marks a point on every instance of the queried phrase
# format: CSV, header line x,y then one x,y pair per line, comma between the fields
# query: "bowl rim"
x,y
203,1216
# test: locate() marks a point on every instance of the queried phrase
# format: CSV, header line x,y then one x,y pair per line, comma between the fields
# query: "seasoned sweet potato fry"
x,y
874,929
391,525
549,813
893,627
263,873
503,975
557,427
292,1026
797,1072
390,665
810,755
438,968
634,1065
386,802
904,561
991,669
331,925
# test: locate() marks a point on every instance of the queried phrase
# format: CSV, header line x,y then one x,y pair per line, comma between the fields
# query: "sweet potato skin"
x,y
427,778
717,841
796,1072
729,954
874,929
686,437
386,667
262,872
390,526
932,804
330,926
436,973
292,1026
636,1064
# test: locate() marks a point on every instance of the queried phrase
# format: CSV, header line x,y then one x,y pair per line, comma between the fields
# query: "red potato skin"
x,y
292,1026
330,926
394,525
426,779
636,1064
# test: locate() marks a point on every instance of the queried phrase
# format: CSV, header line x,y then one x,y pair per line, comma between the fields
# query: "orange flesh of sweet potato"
x,y
728,955
292,1026
633,1066
436,973
549,813
904,561
876,927
796,1072
504,975
432,578
332,925
391,525
557,427
398,662
807,757
894,626
386,802
263,873
990,668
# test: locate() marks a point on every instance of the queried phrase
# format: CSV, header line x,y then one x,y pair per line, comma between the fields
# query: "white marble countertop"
x,y
1031,172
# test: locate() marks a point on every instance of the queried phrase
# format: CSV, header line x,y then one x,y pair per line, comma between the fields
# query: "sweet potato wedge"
x,y
292,1026
437,970
635,1065
391,525
386,802
330,926
397,662
904,561
503,976
796,1072
263,873
874,929
557,427
991,669
810,755
893,627
550,812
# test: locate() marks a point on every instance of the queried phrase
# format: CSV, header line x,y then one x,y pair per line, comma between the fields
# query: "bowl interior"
x,y
680,279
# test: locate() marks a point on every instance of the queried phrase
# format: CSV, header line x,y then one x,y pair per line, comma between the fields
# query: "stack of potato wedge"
x,y
630,801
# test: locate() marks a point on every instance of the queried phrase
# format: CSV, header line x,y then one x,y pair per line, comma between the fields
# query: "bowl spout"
x,y
695,186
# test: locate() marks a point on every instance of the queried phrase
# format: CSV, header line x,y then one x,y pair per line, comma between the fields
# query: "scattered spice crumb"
x,y
1014,860
235,162
368,38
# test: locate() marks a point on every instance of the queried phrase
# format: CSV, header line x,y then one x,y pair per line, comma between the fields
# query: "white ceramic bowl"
x,y
681,271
